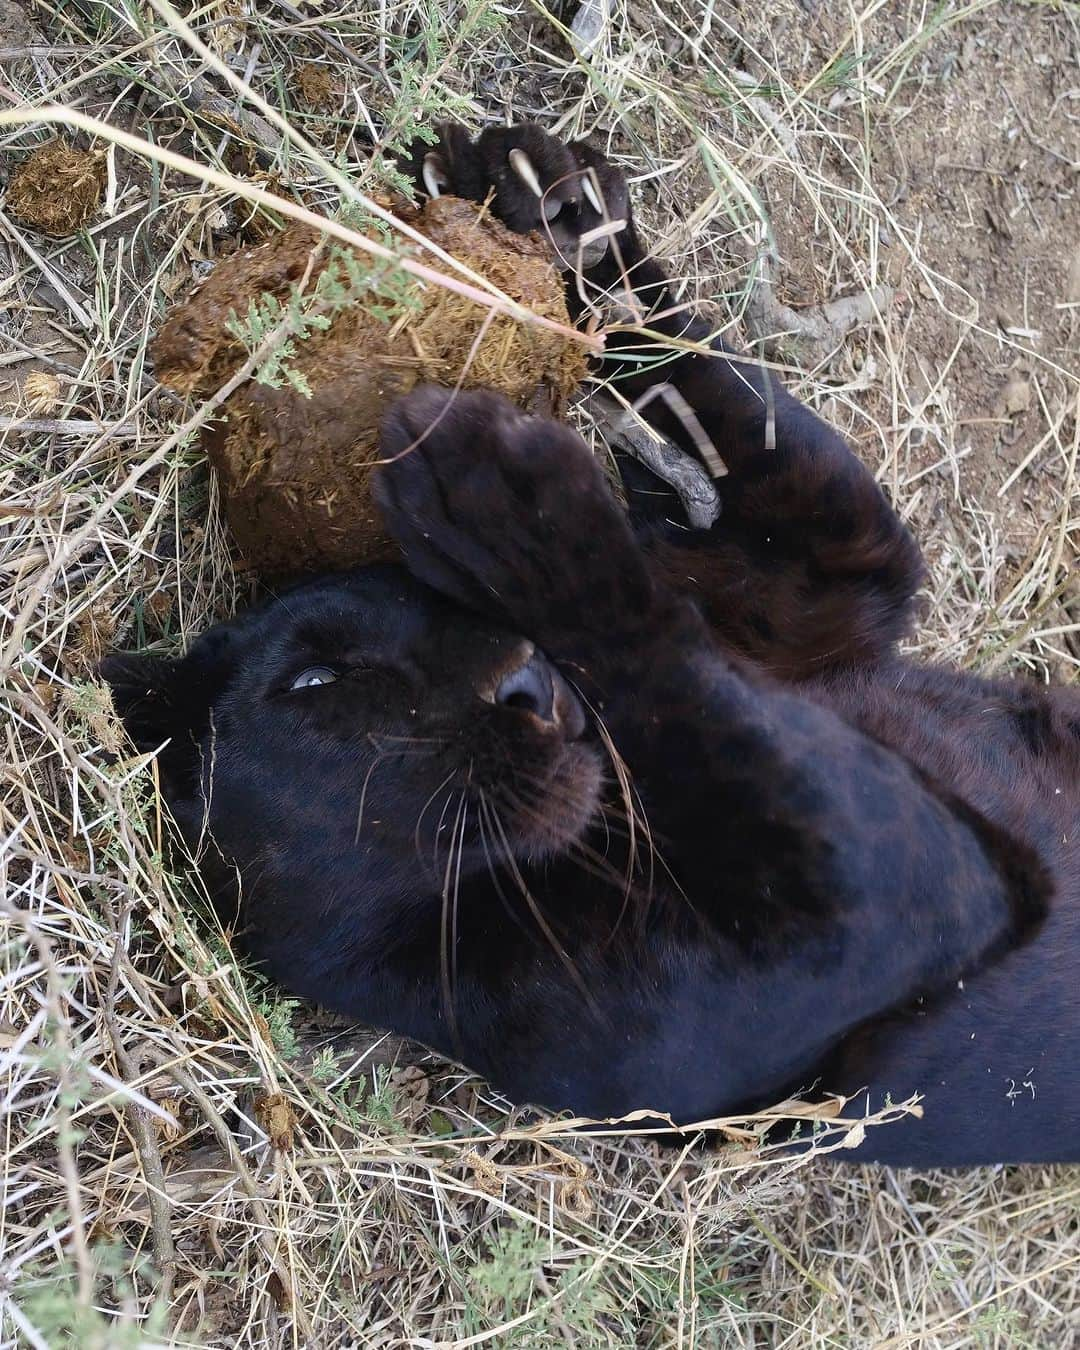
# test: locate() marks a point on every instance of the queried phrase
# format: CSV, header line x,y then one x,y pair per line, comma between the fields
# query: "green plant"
x,y
274,327
51,1304
520,1276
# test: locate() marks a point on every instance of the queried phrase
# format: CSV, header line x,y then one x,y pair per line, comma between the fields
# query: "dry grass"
x,y
190,1160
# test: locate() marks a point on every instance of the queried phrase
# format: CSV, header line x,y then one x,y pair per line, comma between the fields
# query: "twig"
x,y
72,426
816,330
39,49
621,426
197,95
668,393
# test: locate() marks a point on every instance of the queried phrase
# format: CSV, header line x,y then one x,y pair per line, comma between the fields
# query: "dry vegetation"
x,y
188,1159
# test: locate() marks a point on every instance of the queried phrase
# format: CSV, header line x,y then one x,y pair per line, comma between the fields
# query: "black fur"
x,y
778,854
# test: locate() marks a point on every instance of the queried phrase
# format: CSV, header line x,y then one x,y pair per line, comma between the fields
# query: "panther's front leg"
x,y
808,567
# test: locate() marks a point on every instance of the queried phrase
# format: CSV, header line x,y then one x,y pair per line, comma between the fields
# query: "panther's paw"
x,y
510,515
565,190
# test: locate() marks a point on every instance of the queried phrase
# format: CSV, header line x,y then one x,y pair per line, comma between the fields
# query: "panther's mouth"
x,y
545,818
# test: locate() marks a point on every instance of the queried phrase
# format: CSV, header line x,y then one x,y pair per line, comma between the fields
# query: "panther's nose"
x,y
536,687
530,688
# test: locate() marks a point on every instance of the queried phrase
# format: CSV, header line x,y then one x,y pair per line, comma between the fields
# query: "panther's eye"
x,y
314,675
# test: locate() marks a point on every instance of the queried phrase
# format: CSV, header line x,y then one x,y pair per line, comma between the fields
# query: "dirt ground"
x,y
319,1189
975,154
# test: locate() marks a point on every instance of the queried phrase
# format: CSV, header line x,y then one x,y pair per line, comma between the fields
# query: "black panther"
x,y
625,815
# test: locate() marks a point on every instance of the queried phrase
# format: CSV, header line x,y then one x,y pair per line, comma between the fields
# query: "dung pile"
x,y
295,471
57,188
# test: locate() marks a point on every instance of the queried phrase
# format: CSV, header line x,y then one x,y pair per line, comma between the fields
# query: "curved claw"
x,y
434,175
522,165
592,196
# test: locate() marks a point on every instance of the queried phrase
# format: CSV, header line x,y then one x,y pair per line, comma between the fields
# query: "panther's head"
x,y
362,727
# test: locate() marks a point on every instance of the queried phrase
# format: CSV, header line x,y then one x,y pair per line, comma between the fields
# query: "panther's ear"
x,y
145,691
172,701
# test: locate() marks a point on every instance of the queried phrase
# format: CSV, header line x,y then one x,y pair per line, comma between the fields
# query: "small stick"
x,y
702,441
822,326
680,471
74,426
